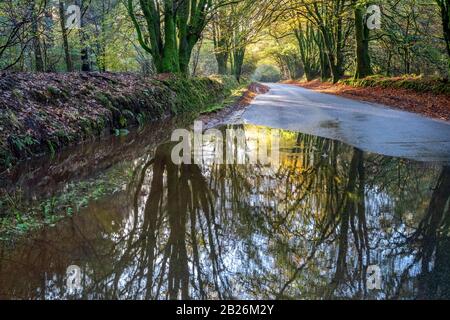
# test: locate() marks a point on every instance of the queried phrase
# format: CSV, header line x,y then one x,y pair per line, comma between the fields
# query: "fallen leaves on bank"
x,y
426,103
45,112
254,89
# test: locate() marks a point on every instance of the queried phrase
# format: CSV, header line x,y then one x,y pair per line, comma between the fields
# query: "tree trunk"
x,y
68,57
184,38
222,61
333,52
221,44
363,68
325,72
39,61
238,61
339,45
304,57
85,64
445,14
328,66
84,52
170,60
185,58
334,68
431,232
183,23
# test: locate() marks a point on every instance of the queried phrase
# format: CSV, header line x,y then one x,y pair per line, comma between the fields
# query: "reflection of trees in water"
x,y
174,234
326,204
351,219
337,211
325,237
433,240
327,213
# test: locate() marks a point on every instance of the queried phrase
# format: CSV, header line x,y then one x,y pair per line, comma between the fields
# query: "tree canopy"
x,y
330,39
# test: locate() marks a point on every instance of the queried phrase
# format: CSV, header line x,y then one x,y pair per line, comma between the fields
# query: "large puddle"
x,y
329,221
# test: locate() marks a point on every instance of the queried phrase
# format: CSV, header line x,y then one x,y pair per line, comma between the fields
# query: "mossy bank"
x,y
409,82
42,113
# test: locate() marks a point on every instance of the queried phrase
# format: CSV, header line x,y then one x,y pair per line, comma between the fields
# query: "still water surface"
x,y
144,228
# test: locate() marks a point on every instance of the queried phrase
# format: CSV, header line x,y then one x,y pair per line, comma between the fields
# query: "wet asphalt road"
x,y
370,127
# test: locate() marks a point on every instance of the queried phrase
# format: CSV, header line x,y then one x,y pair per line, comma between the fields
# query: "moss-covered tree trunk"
x,y
222,55
170,58
221,40
333,58
238,61
309,50
185,38
329,68
444,6
170,43
303,56
339,50
363,68
329,21
325,72
222,62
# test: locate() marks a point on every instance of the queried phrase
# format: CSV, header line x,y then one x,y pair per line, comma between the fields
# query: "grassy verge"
x,y
234,96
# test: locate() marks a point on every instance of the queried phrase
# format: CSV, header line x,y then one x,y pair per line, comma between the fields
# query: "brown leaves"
x,y
42,109
426,103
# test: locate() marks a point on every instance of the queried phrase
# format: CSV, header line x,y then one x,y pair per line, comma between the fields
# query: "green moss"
x,y
103,99
100,125
141,119
229,83
57,93
12,119
234,96
123,121
6,158
194,95
18,95
51,147
23,143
